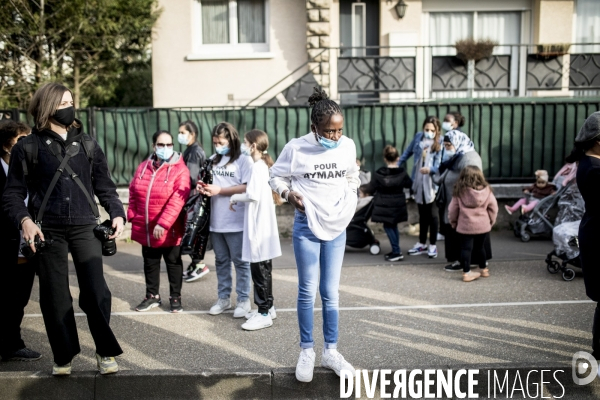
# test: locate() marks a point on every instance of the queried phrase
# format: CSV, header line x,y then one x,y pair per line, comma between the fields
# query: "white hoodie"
x,y
327,180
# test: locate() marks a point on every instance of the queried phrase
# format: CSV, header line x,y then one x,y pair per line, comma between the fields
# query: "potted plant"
x,y
552,50
470,51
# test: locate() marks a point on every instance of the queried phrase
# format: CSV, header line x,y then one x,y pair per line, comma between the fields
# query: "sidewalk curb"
x,y
277,383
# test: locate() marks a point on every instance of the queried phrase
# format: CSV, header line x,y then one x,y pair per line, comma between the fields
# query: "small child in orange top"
x,y
472,212
542,188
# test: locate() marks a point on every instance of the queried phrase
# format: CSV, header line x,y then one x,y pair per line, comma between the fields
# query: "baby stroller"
x,y
566,246
539,222
358,233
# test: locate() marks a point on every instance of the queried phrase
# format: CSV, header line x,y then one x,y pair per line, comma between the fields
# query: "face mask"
x,y
164,153
65,116
447,126
245,150
222,150
429,134
183,138
448,155
328,143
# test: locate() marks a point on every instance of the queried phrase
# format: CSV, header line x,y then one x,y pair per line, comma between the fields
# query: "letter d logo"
x,y
580,367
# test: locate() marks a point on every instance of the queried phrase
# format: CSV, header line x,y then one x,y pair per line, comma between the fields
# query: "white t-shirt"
x,y
327,179
222,219
63,136
261,236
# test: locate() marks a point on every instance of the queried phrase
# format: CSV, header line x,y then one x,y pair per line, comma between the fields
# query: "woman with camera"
x,y
157,193
62,168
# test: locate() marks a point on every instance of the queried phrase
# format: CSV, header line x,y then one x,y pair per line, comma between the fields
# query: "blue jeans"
x,y
228,249
394,236
319,264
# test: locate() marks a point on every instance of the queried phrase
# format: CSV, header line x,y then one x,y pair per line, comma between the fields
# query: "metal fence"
x,y
514,138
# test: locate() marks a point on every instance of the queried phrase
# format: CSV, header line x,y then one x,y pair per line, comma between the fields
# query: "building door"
x,y
359,27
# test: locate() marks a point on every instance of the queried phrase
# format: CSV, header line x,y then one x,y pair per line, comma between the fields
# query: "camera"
x,y
39,244
102,233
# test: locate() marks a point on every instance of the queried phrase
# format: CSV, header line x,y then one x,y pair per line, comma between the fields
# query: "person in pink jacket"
x,y
472,212
157,193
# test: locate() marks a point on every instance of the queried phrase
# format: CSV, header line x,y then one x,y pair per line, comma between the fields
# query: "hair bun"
x,y
317,96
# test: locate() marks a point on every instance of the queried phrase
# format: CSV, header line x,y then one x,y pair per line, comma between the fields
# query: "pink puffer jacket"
x,y
156,198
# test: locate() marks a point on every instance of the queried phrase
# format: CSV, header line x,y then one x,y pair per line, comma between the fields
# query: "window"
x,y
587,26
446,28
230,29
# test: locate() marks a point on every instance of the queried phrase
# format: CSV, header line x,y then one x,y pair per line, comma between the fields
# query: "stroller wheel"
x,y
553,267
568,274
525,237
375,249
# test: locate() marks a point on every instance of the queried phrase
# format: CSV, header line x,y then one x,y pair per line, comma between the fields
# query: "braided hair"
x,y
322,106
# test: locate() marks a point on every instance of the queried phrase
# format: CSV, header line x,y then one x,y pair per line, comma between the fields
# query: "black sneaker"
x,y
176,304
394,256
454,267
148,303
24,354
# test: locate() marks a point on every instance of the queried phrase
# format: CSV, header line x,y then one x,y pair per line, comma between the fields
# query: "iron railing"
x,y
514,138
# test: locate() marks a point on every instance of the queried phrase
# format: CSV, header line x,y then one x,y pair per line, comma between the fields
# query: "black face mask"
x,y
65,116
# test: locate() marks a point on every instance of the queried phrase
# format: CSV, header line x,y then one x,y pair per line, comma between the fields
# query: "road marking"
x,y
372,308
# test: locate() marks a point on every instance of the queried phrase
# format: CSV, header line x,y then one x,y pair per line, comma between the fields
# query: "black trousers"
x,y
263,285
452,245
472,244
428,221
172,256
55,297
16,281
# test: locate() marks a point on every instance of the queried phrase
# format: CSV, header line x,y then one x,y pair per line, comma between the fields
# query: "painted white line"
x,y
372,308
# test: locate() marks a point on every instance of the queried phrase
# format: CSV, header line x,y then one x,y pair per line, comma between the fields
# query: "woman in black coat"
x,y
388,185
587,153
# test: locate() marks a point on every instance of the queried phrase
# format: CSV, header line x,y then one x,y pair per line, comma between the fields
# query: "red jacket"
x,y
156,197
474,212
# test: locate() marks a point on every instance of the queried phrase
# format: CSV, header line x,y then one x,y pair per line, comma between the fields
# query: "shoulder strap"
x,y
40,215
88,146
30,145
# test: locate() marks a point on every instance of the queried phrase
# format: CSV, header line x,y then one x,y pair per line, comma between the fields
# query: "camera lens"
x,y
109,248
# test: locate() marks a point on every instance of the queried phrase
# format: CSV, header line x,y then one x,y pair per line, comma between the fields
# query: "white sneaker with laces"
x,y
272,313
220,306
258,321
417,249
241,309
432,251
306,365
333,360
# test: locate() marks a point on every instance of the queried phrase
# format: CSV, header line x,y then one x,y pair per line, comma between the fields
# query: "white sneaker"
x,y
258,321
241,309
417,249
440,237
333,360
220,306
432,251
272,313
306,365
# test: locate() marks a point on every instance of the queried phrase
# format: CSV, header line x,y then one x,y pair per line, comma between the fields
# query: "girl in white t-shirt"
x,y
230,175
261,236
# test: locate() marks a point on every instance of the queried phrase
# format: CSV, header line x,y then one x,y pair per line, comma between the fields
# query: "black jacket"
x,y
194,158
7,230
387,185
67,204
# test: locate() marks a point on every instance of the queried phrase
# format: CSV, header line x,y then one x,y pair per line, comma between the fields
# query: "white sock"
x,y
328,352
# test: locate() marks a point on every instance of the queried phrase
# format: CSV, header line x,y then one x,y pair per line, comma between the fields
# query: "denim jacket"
x,y
67,204
414,149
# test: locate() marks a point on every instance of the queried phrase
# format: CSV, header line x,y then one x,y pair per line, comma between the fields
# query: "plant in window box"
x,y
552,50
470,51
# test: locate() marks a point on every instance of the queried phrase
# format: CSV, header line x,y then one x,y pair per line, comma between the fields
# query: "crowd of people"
x,y
51,175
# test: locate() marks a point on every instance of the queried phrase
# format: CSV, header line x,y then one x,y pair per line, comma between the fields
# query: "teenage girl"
x,y
261,236
472,212
318,175
427,150
231,173
194,158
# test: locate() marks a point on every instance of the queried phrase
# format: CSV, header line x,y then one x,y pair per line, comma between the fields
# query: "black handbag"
x,y
440,196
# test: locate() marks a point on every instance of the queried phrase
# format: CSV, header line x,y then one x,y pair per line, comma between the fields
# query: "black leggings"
x,y
428,220
472,244
263,285
172,256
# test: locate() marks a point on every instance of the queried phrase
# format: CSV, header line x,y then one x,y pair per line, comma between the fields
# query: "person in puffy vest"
x,y
387,186
157,193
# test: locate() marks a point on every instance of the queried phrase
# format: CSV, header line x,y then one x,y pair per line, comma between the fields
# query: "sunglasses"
x,y
161,145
